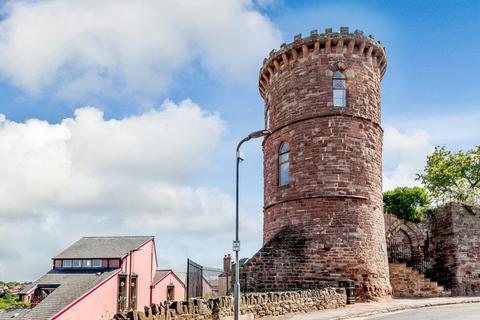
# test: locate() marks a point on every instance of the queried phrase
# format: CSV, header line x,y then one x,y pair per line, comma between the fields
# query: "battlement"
x,y
329,42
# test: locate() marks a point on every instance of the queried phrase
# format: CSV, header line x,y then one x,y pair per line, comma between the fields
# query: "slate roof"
x,y
102,247
159,275
72,285
13,314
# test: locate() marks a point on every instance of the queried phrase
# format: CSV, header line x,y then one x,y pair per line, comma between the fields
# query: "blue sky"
x,y
151,65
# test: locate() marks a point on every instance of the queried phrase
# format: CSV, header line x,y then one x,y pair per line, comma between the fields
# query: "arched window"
x,y
283,164
267,119
339,90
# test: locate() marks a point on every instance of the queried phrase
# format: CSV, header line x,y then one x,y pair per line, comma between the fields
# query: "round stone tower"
x,y
323,211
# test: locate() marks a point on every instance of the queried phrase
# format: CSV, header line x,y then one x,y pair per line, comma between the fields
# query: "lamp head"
x,y
258,134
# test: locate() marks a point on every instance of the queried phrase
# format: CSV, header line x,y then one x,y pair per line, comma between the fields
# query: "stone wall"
x,y
253,305
457,246
407,283
449,243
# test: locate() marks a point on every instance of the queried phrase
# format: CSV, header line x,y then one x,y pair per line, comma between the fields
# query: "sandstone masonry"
x,y
448,242
253,305
409,283
327,223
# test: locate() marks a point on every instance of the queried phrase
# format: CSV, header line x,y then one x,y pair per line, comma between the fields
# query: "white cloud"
x,y
404,155
267,3
408,142
91,176
78,158
456,130
101,47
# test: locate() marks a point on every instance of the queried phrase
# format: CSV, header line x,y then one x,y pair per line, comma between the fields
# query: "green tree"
x,y
406,203
453,176
10,300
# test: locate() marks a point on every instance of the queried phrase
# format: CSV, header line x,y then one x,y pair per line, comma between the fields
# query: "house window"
x,y
170,292
77,263
267,119
133,292
97,263
283,164
339,90
66,263
122,293
86,263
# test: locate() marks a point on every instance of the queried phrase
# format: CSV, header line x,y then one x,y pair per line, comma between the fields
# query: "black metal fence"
x,y
401,253
420,259
194,280
201,281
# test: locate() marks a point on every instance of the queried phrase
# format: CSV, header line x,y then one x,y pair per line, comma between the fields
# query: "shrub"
x,y
406,203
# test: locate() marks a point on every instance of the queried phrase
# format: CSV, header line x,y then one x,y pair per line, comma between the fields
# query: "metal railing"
x,y
413,258
420,259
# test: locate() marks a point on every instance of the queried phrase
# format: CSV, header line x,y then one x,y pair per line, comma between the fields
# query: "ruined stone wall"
x,y
456,236
451,245
331,212
414,237
252,305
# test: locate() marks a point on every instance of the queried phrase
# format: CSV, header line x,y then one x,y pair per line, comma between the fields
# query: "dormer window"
x,y
339,90
66,263
97,263
81,263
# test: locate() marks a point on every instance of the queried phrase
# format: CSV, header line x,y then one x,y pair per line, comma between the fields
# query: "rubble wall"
x,y
253,305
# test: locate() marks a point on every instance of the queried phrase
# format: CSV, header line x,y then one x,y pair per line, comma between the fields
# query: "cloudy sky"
x,y
121,117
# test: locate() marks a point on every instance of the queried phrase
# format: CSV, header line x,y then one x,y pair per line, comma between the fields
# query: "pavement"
x,y
364,310
470,311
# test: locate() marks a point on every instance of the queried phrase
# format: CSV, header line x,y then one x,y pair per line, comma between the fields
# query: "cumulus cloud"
x,y
404,155
101,47
408,142
267,3
91,176
74,160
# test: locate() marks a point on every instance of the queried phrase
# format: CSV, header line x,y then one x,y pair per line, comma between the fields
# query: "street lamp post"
x,y
236,242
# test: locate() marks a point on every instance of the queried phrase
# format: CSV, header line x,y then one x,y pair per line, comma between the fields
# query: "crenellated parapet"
x,y
329,43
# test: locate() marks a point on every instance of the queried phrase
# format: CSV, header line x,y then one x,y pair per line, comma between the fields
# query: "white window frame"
x,y
267,119
76,263
96,263
339,93
284,161
66,263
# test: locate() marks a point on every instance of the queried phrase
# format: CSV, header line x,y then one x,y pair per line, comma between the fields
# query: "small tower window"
x,y
283,164
267,119
339,90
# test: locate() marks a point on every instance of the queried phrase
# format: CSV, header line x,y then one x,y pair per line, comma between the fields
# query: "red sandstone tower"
x,y
323,214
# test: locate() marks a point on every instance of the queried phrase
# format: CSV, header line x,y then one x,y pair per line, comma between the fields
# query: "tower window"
x,y
267,119
283,164
339,90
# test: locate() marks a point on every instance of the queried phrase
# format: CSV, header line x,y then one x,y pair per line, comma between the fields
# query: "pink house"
x,y
97,277
167,286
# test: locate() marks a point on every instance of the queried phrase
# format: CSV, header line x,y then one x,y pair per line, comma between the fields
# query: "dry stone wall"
x,y
253,305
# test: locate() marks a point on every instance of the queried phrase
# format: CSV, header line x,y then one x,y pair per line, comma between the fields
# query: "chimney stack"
x,y
227,263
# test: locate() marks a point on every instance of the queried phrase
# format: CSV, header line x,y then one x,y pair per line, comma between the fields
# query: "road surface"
x,y
458,311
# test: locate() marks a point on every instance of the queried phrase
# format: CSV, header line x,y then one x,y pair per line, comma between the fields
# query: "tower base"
x,y
290,261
